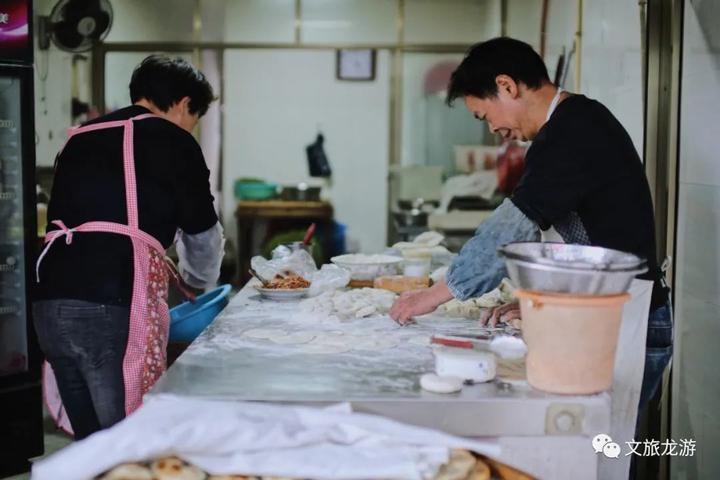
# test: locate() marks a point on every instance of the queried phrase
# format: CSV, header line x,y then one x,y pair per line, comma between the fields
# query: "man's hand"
x,y
506,313
419,302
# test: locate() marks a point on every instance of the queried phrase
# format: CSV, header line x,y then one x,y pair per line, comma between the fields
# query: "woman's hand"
x,y
418,302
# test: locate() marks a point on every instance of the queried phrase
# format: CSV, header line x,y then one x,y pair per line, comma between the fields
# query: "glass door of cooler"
x,y
13,255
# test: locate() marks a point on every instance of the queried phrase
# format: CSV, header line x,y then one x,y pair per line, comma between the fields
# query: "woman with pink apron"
x,y
100,310
145,356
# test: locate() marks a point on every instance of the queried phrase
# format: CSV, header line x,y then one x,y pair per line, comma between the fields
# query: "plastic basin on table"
x,y
188,319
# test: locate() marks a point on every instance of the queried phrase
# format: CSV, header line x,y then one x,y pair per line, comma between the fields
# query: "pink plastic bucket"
x,y
571,340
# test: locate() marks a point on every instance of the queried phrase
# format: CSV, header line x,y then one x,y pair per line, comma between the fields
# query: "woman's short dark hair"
x,y
165,81
486,60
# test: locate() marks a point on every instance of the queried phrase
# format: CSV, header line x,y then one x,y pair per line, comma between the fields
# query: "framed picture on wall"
x,y
354,64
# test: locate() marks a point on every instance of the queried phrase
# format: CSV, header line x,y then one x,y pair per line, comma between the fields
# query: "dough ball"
x,y
440,384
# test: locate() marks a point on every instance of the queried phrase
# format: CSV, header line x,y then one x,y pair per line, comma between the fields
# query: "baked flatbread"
x,y
459,467
230,477
481,471
128,471
172,468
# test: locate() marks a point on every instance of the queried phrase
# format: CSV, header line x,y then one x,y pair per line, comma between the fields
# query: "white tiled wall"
x,y
275,101
155,21
53,76
696,382
611,61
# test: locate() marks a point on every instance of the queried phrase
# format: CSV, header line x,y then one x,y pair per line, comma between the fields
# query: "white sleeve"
x,y
200,256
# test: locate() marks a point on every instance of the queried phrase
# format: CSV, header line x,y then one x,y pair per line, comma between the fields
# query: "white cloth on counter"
x,y
261,439
479,184
200,256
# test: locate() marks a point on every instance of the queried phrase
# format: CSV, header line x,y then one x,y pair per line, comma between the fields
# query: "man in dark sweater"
x,y
583,180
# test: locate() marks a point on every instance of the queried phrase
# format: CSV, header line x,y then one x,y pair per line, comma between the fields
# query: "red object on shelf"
x,y
510,165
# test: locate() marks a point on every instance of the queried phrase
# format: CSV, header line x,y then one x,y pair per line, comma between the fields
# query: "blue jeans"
x,y
85,344
658,350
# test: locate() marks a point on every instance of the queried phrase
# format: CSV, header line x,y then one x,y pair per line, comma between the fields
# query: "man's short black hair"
x,y
165,81
486,60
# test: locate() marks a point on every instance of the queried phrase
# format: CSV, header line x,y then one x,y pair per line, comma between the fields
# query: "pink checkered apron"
x,y
145,357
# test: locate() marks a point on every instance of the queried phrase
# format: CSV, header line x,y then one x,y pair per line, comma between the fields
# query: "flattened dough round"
x,y
264,333
437,384
294,338
374,344
335,339
320,349
421,340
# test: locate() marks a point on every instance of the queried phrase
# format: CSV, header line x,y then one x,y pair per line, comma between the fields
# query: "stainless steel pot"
x,y
301,191
410,218
573,269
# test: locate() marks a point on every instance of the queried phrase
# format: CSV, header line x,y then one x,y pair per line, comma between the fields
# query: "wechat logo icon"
x,y
603,443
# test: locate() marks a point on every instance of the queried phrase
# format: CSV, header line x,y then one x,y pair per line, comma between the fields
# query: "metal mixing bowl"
x,y
573,269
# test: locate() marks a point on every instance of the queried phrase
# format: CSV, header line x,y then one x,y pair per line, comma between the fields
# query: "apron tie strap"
x,y
50,238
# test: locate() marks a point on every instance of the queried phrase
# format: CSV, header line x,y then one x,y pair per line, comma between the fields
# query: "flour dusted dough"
x,y
440,384
315,348
296,338
358,303
374,343
128,471
473,307
333,339
421,340
175,469
264,333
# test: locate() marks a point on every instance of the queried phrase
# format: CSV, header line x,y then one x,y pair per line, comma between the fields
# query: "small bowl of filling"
x,y
284,288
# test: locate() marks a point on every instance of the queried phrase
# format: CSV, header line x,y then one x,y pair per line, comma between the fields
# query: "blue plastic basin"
x,y
188,320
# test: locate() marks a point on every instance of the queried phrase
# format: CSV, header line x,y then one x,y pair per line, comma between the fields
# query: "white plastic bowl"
x,y
368,267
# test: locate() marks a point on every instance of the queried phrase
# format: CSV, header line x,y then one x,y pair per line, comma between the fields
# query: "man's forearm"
x,y
478,269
